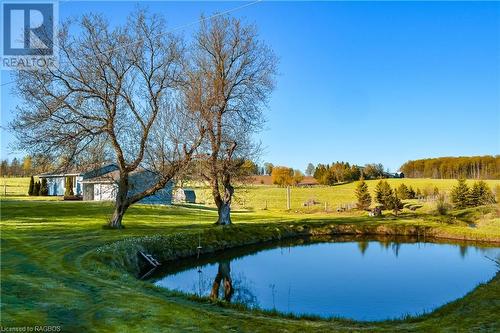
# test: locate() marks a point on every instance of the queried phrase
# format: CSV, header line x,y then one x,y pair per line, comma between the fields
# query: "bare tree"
x,y
115,88
230,79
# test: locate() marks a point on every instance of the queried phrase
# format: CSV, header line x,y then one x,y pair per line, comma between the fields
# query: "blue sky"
x,y
359,81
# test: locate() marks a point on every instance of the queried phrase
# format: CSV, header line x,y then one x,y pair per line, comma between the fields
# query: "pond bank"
x,y
122,254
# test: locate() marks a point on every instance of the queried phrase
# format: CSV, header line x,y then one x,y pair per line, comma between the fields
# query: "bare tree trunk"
x,y
224,214
223,275
224,205
121,204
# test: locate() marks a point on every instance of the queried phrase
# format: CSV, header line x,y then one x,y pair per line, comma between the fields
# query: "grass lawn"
x,y
50,275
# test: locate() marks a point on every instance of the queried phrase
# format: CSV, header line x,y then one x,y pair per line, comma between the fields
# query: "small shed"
x,y
186,195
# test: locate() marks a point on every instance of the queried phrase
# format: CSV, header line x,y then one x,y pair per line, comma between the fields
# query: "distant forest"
x,y
478,167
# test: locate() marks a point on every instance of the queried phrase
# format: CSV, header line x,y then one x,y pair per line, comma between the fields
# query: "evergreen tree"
x,y
363,195
480,194
403,192
460,194
44,189
436,191
411,193
68,191
383,194
31,187
395,203
36,188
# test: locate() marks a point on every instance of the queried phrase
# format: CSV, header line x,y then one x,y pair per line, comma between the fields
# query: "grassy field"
x,y
257,197
14,186
51,273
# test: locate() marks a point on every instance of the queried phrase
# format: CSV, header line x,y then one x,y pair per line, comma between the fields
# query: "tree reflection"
x,y
224,276
363,246
236,289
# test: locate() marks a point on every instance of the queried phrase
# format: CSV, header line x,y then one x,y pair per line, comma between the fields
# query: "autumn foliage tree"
x,y
479,167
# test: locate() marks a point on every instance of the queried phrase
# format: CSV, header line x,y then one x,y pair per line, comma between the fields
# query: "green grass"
x,y
59,267
14,186
255,197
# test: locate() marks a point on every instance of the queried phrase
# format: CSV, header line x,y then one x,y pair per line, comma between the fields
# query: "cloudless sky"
x,y
358,81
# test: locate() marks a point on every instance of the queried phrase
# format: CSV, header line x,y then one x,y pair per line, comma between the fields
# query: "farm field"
x,y
255,197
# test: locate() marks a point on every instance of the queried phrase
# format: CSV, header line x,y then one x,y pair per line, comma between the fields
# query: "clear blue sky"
x,y
360,82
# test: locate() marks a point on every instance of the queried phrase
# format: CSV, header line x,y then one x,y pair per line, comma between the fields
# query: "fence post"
x,y
288,198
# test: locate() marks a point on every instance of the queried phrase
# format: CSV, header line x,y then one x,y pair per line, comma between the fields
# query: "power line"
x,y
174,29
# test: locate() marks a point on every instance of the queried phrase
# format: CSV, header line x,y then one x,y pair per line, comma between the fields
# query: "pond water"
x,y
362,279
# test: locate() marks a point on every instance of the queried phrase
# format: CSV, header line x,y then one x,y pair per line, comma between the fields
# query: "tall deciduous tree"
x,y
231,77
310,169
115,87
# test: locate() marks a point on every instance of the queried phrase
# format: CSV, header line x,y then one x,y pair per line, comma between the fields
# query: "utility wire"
x,y
174,29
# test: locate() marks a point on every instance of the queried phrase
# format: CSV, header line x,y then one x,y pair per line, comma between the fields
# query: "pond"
x,y
362,279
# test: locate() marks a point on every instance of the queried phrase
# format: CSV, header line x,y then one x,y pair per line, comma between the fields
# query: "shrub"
x,y
36,188
68,192
32,186
442,206
44,190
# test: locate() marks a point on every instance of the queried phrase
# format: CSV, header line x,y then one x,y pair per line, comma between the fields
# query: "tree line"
x,y
340,172
25,167
475,167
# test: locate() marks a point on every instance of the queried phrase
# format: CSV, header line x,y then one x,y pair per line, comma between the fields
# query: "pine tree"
x,y
395,203
32,185
383,194
460,194
363,195
68,191
403,192
480,194
44,190
411,193
436,191
36,188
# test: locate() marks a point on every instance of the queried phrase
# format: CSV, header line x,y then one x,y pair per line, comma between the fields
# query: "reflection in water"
x,y
463,250
354,279
362,246
223,274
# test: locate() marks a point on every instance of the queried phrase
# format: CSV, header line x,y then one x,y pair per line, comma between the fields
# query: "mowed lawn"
x,y
49,277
